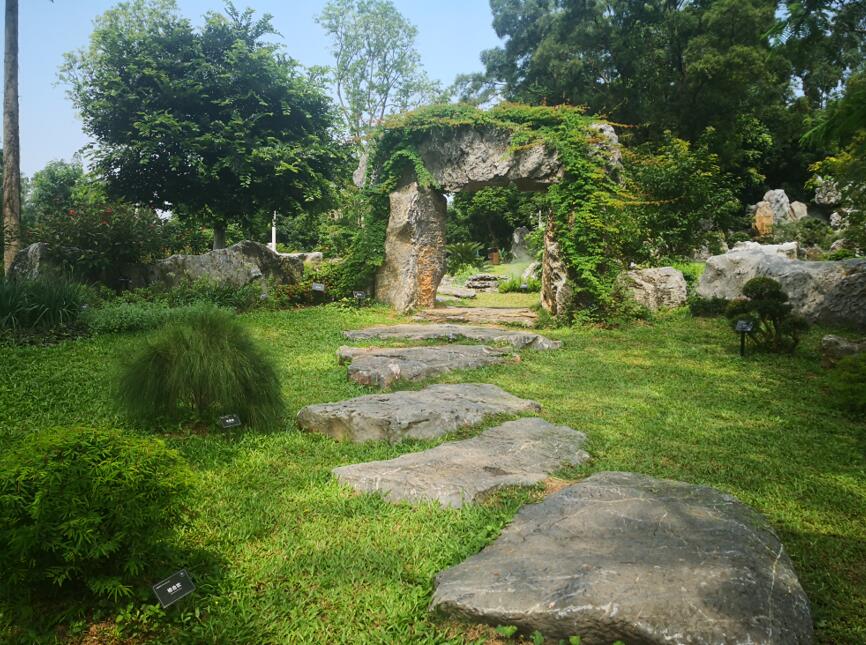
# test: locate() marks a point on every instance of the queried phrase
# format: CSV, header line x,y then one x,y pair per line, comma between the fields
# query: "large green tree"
x,y
213,122
377,70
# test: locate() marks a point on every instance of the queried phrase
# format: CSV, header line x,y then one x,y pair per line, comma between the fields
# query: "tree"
x,y
211,123
11,144
377,70
52,189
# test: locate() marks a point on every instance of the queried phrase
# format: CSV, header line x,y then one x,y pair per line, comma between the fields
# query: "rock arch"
x,y
464,159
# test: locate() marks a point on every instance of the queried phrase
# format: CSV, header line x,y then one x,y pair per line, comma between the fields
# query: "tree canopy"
x,y
213,122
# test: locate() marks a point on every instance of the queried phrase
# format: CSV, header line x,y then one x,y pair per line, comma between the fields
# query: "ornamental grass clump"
x,y
198,368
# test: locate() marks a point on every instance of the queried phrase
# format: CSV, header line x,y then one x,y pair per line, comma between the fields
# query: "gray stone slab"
x,y
456,292
383,366
517,453
627,557
444,331
425,414
520,316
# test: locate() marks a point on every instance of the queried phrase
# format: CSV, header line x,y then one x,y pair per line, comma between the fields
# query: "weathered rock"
x,y
486,282
383,366
826,192
425,414
774,209
414,249
799,211
763,219
519,251
826,292
313,257
839,219
519,316
606,144
517,339
661,288
787,249
621,556
556,292
472,158
532,272
456,292
516,453
37,260
237,265
840,245
835,348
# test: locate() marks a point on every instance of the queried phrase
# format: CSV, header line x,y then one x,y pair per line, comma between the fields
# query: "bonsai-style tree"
x,y
212,123
774,327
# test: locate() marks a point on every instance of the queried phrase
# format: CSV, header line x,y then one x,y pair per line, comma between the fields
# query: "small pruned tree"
x,y
774,327
213,123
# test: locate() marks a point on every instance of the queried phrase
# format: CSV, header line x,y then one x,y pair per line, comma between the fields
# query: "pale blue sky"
x,y
451,35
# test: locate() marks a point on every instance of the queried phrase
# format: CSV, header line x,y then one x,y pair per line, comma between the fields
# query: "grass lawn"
x,y
282,554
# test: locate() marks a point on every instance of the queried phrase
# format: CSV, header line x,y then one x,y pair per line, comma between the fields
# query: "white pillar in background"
x,y
274,232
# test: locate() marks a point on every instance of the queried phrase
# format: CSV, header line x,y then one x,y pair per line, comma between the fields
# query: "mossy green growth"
x,y
585,219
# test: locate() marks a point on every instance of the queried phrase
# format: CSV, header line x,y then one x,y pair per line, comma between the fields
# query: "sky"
x,y
451,36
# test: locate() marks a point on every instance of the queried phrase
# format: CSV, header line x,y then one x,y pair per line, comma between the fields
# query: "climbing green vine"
x,y
585,221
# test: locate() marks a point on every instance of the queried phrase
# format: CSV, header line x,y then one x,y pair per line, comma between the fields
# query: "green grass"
x,y
292,557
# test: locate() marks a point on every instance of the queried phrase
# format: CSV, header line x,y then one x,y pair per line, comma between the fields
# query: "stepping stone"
x,y
517,339
520,316
425,414
380,367
517,453
621,556
456,292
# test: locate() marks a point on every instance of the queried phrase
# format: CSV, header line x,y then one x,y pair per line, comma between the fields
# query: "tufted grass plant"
x,y
199,367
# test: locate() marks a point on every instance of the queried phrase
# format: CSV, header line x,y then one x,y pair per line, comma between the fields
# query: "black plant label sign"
x,y
318,286
176,586
745,326
229,421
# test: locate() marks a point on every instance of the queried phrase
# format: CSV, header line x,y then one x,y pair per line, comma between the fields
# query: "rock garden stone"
x,y
532,272
237,265
789,250
313,257
425,414
516,453
519,251
835,348
621,556
519,316
456,292
486,282
825,292
381,367
655,289
37,260
498,335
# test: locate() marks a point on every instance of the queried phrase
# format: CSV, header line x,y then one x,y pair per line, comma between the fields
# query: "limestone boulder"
x,y
839,219
659,288
787,249
517,453
313,257
37,260
835,348
414,249
799,211
625,557
484,282
825,292
557,293
422,414
532,272
238,265
827,192
519,251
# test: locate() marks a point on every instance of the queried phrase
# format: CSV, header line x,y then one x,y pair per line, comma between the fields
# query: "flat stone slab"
x,y
516,453
621,556
520,316
456,292
444,331
425,414
380,367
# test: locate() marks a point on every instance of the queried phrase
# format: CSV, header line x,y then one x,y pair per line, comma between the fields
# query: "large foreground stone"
x,y
517,453
519,316
835,348
825,292
414,249
383,366
626,557
658,288
513,337
428,413
237,265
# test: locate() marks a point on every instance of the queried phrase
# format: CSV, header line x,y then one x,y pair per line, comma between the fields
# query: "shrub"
x,y
121,317
533,285
202,366
199,292
808,231
42,304
775,328
707,307
85,507
463,255
848,383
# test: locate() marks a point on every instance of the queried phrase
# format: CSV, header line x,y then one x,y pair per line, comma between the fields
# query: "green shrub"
x,y
841,254
201,367
42,304
808,231
464,255
707,307
532,285
848,383
81,507
205,291
122,317
766,306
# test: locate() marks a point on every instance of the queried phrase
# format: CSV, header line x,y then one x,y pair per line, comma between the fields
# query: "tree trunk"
x,y
11,150
219,236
